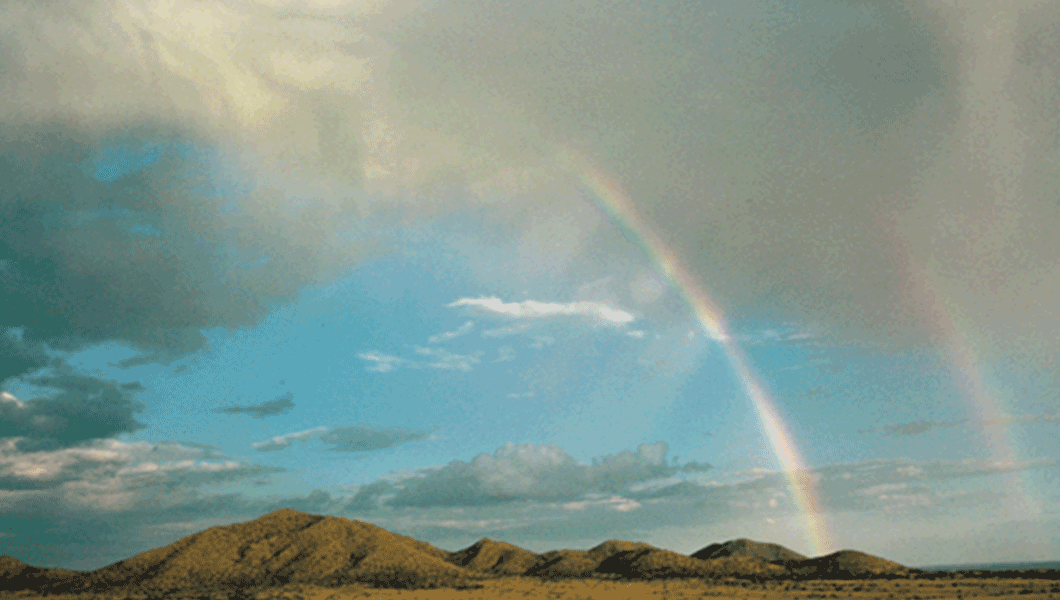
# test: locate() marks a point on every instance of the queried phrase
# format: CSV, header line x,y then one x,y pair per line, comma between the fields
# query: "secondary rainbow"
x,y
613,199
984,404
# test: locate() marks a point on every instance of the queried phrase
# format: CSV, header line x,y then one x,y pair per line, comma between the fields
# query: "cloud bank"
x,y
227,150
80,409
518,472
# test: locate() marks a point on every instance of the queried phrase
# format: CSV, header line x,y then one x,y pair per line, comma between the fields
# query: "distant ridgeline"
x,y
291,547
1014,569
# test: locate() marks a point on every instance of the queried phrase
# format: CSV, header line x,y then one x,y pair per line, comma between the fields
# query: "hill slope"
x,y
654,563
17,575
496,558
848,564
285,546
288,546
746,548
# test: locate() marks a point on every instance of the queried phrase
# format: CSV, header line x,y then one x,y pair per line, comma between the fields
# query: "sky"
x,y
551,273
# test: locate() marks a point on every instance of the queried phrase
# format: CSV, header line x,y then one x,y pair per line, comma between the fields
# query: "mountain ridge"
x,y
287,546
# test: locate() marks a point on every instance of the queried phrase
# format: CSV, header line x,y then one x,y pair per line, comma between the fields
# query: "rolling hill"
x,y
18,575
848,564
746,548
291,547
285,546
495,558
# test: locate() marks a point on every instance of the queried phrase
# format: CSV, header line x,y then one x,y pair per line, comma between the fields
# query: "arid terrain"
x,y
290,554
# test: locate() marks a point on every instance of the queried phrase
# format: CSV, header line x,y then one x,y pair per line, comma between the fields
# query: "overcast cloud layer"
x,y
787,159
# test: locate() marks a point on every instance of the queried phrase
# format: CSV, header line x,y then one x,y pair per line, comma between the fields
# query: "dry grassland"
x,y
518,588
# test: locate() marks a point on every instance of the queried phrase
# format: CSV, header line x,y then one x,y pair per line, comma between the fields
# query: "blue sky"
x,y
345,270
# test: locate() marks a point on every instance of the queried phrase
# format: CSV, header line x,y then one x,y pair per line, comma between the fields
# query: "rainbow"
x,y
986,410
616,203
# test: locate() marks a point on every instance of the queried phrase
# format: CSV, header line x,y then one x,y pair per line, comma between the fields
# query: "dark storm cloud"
x,y
81,409
18,356
148,260
279,406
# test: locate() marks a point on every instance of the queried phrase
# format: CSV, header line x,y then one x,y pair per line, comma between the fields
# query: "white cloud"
x,y
10,398
448,335
636,333
540,341
614,503
449,361
281,442
506,331
516,396
381,363
881,490
505,354
532,309
109,475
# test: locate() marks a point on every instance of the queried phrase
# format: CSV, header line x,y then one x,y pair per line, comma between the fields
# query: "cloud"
x,y
695,467
540,341
11,399
617,503
459,331
518,472
381,363
636,334
505,354
920,427
449,361
788,334
282,442
597,312
18,356
80,409
279,406
369,497
359,438
148,108
355,438
113,475
506,331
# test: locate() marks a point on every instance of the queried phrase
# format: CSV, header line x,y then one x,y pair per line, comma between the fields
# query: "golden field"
x,y
582,589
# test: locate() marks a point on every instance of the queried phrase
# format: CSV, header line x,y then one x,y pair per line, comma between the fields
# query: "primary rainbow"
x,y
611,196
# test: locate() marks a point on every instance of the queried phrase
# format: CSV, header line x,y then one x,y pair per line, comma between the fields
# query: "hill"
x,y
16,574
611,559
496,558
746,548
848,564
285,546
292,547
654,563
